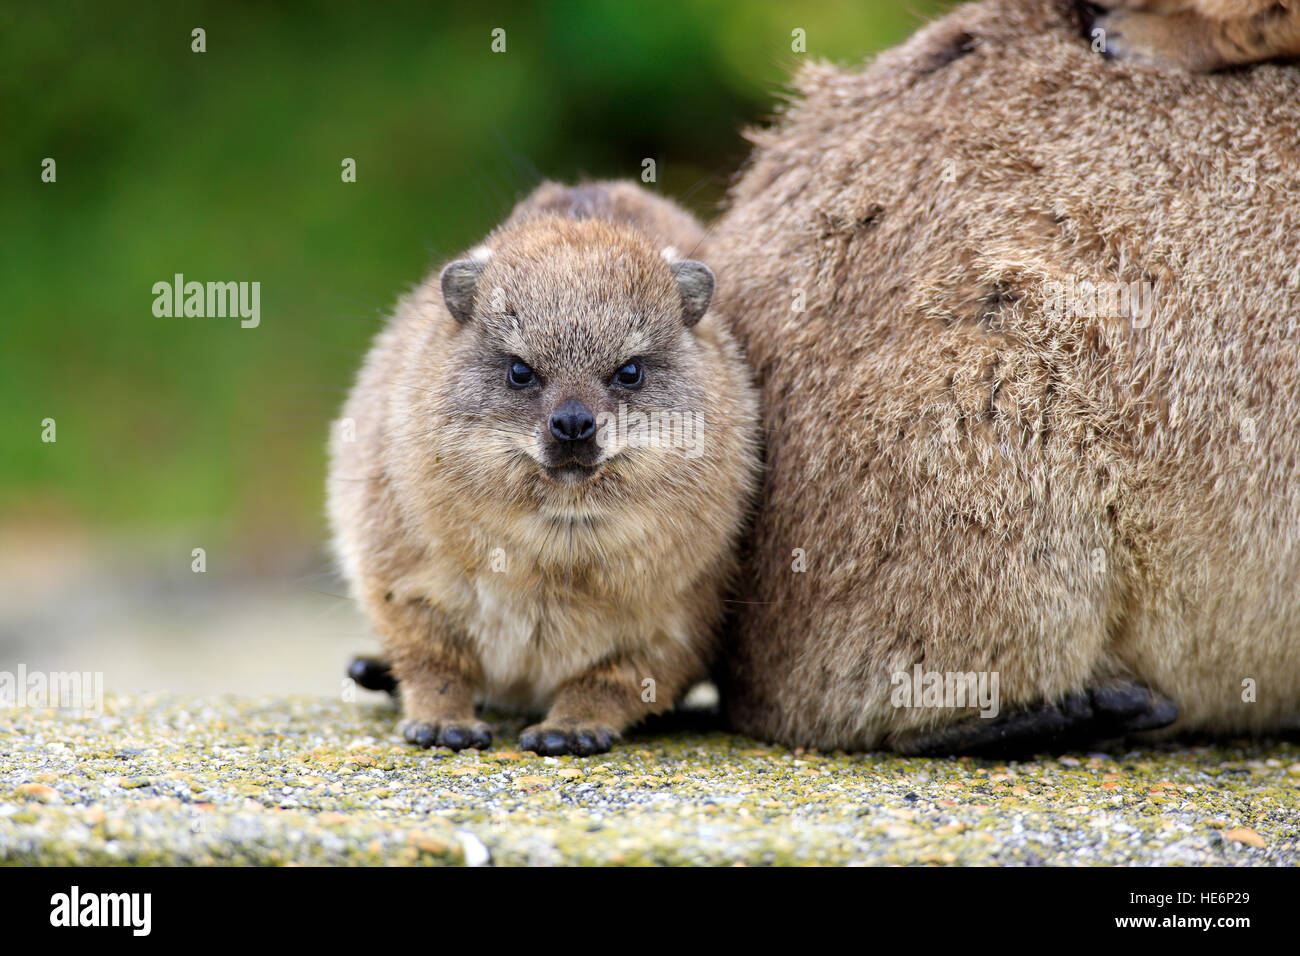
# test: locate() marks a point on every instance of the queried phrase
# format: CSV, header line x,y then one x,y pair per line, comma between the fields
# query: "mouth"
x,y
571,472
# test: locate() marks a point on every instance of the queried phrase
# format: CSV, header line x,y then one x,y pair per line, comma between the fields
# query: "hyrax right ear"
x,y
459,280
695,284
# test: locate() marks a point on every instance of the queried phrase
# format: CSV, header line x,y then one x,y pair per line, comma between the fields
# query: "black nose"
x,y
573,421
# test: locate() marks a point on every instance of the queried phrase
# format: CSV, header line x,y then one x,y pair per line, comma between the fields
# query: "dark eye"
x,y
520,375
630,375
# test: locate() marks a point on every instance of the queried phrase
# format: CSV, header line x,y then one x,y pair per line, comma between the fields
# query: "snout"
x,y
572,421
572,452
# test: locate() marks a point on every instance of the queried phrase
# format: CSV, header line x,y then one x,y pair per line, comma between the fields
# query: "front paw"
x,y
454,734
556,738
1117,36
1171,43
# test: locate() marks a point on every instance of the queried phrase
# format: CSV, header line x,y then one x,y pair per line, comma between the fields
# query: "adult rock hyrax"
x,y
554,451
1026,324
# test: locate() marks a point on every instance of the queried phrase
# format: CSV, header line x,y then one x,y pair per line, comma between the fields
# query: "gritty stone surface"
x,y
172,780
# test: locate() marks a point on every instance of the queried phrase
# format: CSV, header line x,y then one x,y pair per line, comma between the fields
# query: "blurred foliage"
x,y
225,165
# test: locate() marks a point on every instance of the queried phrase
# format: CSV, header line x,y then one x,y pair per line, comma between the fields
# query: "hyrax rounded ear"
x,y
459,279
695,285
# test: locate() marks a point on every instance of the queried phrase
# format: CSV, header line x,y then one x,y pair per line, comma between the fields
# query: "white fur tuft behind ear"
x,y
459,280
695,285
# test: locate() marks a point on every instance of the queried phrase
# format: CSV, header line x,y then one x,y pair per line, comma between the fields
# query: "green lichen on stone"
x,y
168,780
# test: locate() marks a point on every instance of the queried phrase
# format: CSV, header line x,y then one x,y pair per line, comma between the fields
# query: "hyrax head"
x,y
567,327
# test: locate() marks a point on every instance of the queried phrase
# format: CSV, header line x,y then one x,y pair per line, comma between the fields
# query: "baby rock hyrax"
x,y
539,479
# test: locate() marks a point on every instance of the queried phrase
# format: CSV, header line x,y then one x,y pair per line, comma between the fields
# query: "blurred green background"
x,y
225,165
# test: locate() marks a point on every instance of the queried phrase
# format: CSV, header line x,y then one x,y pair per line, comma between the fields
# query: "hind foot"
x,y
373,673
1106,712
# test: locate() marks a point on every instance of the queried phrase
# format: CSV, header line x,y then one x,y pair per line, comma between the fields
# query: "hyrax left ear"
x,y
459,280
695,285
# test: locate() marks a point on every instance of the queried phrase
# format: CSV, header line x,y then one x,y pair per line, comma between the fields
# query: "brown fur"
x,y
1200,35
598,585
951,451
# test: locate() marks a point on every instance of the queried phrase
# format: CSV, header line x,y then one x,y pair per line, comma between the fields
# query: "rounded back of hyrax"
x,y
1025,323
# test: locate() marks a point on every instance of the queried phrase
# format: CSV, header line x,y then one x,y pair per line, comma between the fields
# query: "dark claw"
x,y
1090,15
452,736
422,735
1122,700
555,743
1163,712
373,674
